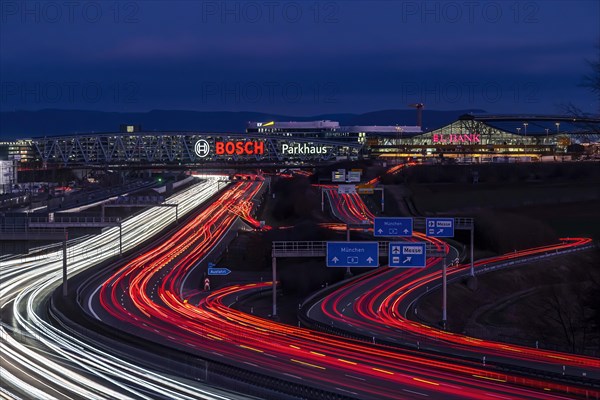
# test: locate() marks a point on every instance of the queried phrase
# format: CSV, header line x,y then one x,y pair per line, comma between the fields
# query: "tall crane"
x,y
419,107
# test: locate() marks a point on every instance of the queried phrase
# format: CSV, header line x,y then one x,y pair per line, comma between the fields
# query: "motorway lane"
x,y
377,305
349,208
55,364
144,294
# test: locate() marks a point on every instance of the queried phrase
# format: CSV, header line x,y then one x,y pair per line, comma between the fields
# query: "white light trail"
x,y
84,371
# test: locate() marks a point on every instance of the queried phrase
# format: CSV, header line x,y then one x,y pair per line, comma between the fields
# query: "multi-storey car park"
x,y
471,138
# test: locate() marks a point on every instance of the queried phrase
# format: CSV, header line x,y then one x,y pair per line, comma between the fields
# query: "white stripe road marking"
x,y
293,376
355,377
90,304
412,391
347,391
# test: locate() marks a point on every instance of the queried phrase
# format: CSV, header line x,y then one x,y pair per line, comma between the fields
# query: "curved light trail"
x,y
41,361
143,296
379,302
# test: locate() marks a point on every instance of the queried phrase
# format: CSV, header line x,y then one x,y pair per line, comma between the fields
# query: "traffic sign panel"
x,y
439,227
353,176
407,255
218,271
352,254
393,227
338,176
346,189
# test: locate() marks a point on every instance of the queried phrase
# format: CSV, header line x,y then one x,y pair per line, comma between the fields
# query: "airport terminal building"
x,y
471,138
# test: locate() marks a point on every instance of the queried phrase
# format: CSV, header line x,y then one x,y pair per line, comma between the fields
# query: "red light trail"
x,y
144,298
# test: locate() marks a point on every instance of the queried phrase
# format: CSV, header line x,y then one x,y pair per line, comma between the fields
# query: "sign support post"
x,y
348,273
444,293
64,271
472,247
274,267
442,227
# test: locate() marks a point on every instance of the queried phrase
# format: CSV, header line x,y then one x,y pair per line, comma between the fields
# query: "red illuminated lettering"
x,y
239,148
259,147
457,138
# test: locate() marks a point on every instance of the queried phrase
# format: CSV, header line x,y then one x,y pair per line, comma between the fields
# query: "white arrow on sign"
x,y
440,231
405,231
407,260
380,230
335,260
369,260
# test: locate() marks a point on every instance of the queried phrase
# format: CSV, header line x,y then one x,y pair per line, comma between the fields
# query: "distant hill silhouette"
x,y
52,122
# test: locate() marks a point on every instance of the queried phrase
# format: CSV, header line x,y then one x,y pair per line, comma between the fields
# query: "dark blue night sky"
x,y
298,57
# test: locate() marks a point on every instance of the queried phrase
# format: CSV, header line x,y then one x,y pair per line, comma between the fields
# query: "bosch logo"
x,y
202,148
240,148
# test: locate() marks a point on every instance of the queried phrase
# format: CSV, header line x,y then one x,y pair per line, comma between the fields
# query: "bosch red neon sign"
x,y
239,148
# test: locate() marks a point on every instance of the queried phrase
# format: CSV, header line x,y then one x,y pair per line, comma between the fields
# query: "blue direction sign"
x,y
352,254
439,227
393,227
218,271
407,255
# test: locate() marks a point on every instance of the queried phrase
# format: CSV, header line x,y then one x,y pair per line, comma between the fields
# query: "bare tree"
x,y
590,81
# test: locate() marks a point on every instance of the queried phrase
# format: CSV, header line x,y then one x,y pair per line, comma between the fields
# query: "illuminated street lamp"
x,y
547,129
557,126
525,125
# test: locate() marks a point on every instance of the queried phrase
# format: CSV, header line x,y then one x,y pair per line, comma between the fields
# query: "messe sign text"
x,y
439,227
407,255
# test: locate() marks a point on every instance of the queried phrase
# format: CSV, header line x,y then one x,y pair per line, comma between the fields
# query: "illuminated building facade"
x,y
498,139
469,139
